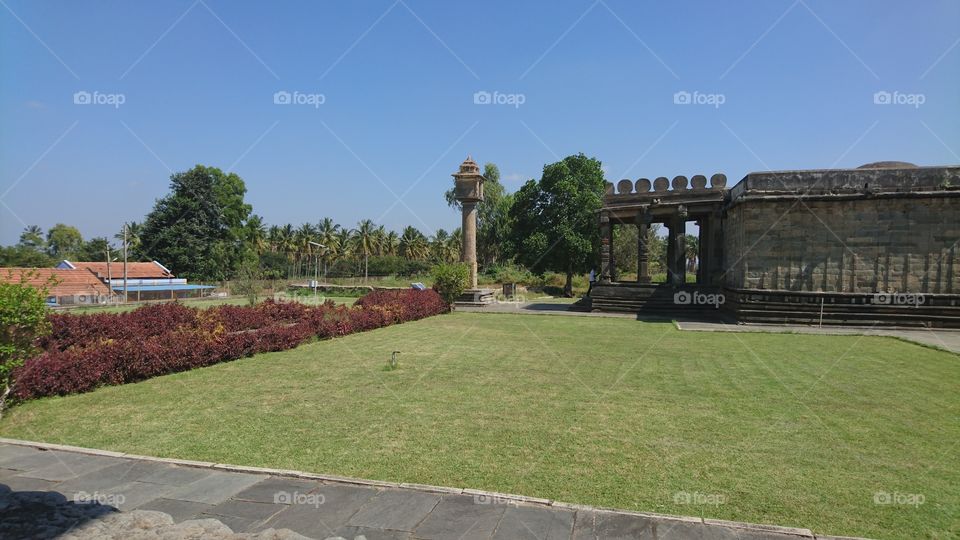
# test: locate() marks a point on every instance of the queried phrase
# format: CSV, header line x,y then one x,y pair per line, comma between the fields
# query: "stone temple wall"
x,y
864,245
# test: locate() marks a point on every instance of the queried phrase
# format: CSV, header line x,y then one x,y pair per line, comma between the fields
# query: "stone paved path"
x,y
92,484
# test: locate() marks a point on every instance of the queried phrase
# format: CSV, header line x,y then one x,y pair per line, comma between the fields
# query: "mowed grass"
x,y
797,430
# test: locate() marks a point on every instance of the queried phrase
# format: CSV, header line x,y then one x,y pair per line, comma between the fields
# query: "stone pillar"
x,y
469,229
715,253
643,252
606,248
468,190
677,249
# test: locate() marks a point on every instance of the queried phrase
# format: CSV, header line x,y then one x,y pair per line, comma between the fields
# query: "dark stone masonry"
x,y
874,245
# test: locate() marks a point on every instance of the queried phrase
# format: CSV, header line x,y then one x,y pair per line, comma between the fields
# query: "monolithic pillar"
x,y
469,229
643,251
468,190
677,264
606,248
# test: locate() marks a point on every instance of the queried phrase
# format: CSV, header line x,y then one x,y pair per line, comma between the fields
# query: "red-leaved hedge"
x,y
83,352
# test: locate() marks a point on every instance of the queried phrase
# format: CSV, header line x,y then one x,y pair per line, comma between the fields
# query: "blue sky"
x,y
398,79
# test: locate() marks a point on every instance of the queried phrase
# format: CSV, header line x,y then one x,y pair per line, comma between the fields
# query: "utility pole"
x,y
109,276
125,297
316,268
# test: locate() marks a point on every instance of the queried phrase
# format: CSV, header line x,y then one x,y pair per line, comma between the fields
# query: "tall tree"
x,y
555,218
364,242
32,238
197,229
95,249
64,241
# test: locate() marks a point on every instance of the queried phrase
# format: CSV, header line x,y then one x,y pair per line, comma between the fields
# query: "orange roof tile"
x,y
68,282
135,270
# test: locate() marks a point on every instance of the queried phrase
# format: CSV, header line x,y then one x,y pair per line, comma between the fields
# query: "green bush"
x,y
450,280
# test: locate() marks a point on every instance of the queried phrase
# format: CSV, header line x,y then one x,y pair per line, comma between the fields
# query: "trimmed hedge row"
x,y
84,352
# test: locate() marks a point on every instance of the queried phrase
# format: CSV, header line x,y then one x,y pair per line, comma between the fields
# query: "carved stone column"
x,y
606,248
469,229
643,251
677,263
468,190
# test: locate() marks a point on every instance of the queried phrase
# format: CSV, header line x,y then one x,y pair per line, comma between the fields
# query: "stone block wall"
x,y
844,245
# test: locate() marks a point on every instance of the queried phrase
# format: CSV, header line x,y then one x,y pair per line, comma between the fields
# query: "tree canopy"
x,y
198,229
555,221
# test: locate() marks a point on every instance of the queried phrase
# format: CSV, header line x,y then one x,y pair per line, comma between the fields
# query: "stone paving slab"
x,y
319,509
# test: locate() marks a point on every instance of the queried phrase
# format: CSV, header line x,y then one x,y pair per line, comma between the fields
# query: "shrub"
x,y
88,351
22,322
450,280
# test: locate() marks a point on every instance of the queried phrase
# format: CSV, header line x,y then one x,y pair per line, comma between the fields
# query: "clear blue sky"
x,y
797,80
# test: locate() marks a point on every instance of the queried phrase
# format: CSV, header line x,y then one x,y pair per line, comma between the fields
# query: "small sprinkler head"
x,y
393,359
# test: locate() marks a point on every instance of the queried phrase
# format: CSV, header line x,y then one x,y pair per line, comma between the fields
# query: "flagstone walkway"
x,y
51,490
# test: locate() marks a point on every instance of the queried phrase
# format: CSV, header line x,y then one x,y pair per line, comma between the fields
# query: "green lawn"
x,y
796,430
209,302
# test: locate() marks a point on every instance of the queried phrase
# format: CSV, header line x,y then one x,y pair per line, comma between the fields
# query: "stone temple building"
x,y
872,245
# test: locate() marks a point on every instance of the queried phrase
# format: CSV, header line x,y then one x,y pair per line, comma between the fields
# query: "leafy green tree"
x,y
197,230
22,256
555,221
64,241
95,249
23,320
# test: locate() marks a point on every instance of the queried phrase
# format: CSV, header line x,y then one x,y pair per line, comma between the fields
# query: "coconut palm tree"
x,y
364,242
413,245
391,243
255,232
438,245
327,235
32,237
305,234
